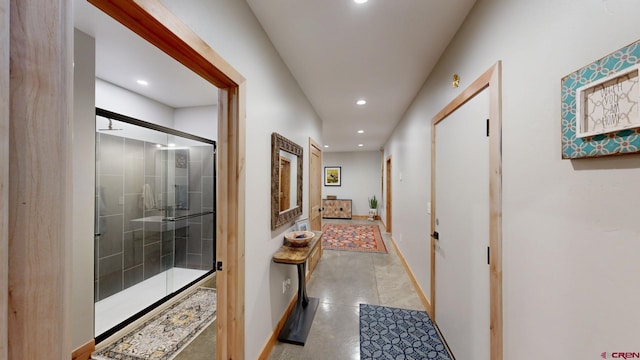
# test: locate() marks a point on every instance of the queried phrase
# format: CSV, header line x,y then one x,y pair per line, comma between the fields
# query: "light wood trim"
x,y
495,196
152,21
156,24
84,351
492,78
388,201
41,100
317,146
412,277
467,94
4,173
273,339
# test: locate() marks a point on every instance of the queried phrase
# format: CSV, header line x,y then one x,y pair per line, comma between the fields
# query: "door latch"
x,y
219,266
435,235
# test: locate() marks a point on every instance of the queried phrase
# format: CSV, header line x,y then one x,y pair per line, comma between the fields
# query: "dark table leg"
x,y
296,329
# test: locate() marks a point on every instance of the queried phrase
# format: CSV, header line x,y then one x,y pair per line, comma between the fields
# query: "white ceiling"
x,y
340,51
337,50
122,57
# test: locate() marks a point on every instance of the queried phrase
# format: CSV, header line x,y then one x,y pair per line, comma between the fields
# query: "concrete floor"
x,y
342,280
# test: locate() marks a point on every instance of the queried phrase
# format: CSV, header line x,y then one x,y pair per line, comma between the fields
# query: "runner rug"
x,y
365,238
166,334
392,333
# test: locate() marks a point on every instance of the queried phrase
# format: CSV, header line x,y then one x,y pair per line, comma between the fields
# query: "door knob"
x,y
435,235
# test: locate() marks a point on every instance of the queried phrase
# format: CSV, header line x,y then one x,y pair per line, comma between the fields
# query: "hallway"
x,y
343,280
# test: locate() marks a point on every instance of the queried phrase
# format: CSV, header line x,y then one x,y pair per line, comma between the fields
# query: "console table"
x,y
336,208
296,328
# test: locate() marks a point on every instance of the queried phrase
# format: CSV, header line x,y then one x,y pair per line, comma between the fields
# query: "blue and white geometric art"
x,y
610,143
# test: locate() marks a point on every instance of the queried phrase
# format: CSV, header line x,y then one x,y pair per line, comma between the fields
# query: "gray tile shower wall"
x,y
129,250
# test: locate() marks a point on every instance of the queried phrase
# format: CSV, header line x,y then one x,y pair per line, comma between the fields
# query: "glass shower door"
x,y
190,209
155,223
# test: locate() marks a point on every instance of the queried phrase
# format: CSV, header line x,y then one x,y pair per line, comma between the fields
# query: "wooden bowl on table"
x,y
299,238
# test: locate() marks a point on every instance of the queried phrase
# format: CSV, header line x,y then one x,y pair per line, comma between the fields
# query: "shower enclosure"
x,y
155,217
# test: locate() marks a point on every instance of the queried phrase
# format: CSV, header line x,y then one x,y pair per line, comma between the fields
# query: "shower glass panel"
x,y
155,217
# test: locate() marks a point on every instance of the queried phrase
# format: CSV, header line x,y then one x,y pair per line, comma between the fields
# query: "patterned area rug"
x,y
392,333
353,237
166,334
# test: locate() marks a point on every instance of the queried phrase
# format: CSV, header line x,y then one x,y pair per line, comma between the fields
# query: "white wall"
x,y
275,103
84,161
361,178
119,100
198,120
570,228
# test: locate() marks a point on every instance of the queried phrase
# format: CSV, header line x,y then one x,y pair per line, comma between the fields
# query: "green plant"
x,y
373,202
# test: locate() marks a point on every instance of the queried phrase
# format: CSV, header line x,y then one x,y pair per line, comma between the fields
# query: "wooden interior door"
x,y
462,224
387,200
315,185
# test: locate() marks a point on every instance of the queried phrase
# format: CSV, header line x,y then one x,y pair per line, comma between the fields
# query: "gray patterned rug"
x,y
392,333
166,334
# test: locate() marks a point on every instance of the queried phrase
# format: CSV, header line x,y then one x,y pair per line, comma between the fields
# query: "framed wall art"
x,y
303,225
600,114
332,175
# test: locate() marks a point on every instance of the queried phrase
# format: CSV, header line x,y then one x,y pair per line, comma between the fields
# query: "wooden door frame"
x,y
157,25
4,173
315,144
388,195
491,79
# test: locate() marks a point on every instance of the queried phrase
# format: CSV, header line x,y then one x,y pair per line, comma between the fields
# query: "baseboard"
x,y
268,347
84,351
423,297
359,217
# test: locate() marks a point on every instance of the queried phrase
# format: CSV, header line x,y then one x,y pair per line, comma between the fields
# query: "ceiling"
x,y
338,51
123,57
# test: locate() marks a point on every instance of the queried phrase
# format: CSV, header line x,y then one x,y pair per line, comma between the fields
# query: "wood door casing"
x,y
387,199
315,186
492,79
157,25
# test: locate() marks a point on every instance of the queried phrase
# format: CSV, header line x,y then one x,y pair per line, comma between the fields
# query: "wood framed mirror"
x,y
286,180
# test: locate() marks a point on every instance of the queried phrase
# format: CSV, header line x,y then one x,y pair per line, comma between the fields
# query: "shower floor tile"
x,y
115,309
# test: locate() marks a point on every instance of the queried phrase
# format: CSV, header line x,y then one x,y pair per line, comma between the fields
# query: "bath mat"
x,y
351,237
392,333
166,334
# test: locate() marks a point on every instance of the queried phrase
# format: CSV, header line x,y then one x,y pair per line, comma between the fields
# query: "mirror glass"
x,y
286,180
288,176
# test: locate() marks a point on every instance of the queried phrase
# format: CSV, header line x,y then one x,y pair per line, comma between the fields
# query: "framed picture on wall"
x,y
332,175
303,225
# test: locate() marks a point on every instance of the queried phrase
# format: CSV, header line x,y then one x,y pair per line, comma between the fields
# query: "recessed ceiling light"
x,y
360,1
172,145
158,145
361,102
360,131
142,82
360,145
326,146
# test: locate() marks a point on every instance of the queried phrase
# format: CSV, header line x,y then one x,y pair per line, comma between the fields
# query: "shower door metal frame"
x,y
133,121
